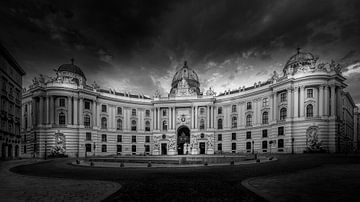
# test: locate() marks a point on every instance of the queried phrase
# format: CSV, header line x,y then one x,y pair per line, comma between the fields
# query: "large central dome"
x,y
187,74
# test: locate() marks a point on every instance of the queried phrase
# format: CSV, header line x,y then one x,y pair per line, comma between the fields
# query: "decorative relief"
x,y
312,141
210,141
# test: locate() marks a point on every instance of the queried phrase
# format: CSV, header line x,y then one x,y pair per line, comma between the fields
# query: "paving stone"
x,y
15,187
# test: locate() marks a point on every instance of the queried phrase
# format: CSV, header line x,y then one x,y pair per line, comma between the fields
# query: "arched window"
x,y
147,113
249,120
233,108
202,110
265,118
164,125
309,110
103,123
234,122
61,118
202,124
283,112
133,125
87,121
147,126
220,110
119,124
220,124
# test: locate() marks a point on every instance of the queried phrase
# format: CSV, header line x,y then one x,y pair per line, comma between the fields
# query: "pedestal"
x,y
210,151
156,152
194,151
172,152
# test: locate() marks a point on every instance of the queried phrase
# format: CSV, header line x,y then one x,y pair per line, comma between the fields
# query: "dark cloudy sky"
x,y
137,45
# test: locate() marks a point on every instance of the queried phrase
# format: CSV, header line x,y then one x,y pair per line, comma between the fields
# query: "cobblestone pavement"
x,y
16,187
326,183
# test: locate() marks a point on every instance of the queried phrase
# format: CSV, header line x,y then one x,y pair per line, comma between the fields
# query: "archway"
x,y
183,137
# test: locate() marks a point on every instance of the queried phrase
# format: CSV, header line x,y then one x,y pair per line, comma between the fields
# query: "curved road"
x,y
178,184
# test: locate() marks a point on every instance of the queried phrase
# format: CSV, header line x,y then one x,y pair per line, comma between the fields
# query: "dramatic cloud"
x,y
138,45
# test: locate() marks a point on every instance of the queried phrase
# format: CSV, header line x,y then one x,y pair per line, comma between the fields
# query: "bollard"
x,y
149,164
122,165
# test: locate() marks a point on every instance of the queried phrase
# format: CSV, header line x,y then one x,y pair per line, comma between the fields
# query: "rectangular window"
x,y
310,93
264,144
233,136
133,148
87,105
24,149
133,112
248,135
88,136
103,108
281,130
119,138
264,134
147,148
248,145
219,137
233,146
88,147
119,148
119,111
265,102
133,138
147,138
164,112
62,102
103,138
248,105
103,148
283,97
281,143
220,147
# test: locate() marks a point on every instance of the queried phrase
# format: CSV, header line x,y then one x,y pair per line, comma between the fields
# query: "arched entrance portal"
x,y
183,139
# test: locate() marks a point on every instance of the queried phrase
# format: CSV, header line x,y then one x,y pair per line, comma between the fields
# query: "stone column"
x,y
75,111
192,117
333,100
81,111
302,98
174,118
47,110
158,118
30,114
153,118
207,117
289,103
196,117
275,110
316,106
255,109
41,110
339,102
321,101
213,116
69,108
169,118
326,101
94,119
296,102
52,109
98,111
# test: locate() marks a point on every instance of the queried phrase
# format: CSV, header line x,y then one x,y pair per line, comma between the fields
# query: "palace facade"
x,y
305,108
10,105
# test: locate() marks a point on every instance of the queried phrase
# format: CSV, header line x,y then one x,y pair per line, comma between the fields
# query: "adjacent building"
x,y
305,108
10,105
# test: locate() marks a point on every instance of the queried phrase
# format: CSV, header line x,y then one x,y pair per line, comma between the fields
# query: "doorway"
x,y
202,147
163,149
183,137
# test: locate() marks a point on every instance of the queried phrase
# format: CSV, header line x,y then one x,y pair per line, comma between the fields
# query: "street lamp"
x,y
94,148
45,149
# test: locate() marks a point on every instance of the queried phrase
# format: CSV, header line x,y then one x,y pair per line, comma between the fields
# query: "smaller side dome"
x,y
71,68
298,60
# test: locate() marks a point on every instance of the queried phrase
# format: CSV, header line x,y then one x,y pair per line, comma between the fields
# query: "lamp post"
x,y
45,149
94,148
253,149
